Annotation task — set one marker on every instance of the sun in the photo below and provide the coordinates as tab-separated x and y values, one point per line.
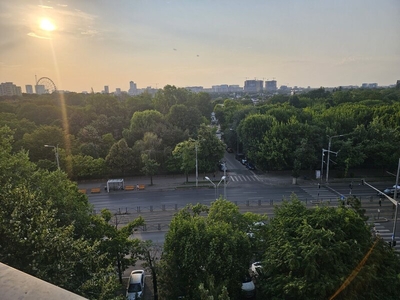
47	25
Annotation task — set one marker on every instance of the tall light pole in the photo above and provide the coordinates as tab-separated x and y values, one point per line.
329	151
215	185
56	153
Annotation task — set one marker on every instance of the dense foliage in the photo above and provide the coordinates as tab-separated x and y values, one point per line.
101	134
47	229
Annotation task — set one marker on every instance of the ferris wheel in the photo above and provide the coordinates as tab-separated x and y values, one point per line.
48	84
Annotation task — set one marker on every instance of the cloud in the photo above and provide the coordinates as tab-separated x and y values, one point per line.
32	34
45	7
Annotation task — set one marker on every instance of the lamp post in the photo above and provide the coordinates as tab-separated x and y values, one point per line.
215	185
56	154
329	151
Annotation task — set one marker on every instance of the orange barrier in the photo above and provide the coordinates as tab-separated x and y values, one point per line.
95	190
83	191
141	186
129	187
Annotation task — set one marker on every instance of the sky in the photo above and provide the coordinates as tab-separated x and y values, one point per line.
85	44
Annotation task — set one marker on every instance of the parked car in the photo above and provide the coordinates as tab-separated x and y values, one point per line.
239	156
250	166
135	286
248	287
256	268
229	150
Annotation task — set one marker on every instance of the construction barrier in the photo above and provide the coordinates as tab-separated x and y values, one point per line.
141	186
129	187
95	190
83	191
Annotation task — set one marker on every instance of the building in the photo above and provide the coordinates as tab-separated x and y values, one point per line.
40	89
271	86
15	284
369	85
10	89
132	89
29	89
253	86
117	92
106	89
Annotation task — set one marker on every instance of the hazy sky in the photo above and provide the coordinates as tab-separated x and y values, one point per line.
199	42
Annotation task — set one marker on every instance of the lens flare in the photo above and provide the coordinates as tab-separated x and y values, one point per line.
47	25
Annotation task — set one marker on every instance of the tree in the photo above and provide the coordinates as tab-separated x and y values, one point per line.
150	166
310	252
211	149
142	122
185	154
115	241
120	159
185	117
49	229
151	253
43	135
205	252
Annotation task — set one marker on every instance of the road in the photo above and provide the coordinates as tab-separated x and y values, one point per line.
250	191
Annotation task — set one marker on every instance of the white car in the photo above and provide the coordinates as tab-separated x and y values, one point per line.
248	287
135	287
256	268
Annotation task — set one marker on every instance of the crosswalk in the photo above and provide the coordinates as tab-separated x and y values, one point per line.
385	234
238	178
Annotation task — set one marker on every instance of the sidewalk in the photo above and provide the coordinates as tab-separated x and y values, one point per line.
160	182
168	182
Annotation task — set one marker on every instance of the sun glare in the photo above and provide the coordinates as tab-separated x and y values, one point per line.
47	25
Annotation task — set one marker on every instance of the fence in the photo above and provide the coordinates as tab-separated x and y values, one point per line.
157	217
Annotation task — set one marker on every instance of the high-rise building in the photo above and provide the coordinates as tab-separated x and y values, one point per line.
270	86
40	89
29	89
253	86
10	89
106	89
132	88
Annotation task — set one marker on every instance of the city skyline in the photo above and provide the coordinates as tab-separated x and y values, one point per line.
85	44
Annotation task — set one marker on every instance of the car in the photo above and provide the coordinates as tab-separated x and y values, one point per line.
250	166
256	268
244	161
135	287
239	156
389	191
222	167
229	150
248	287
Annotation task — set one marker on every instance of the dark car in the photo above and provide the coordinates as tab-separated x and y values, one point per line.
240	156
229	150
250	166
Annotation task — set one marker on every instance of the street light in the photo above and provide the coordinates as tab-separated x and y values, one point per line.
329	151
56	153
197	167
215	185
